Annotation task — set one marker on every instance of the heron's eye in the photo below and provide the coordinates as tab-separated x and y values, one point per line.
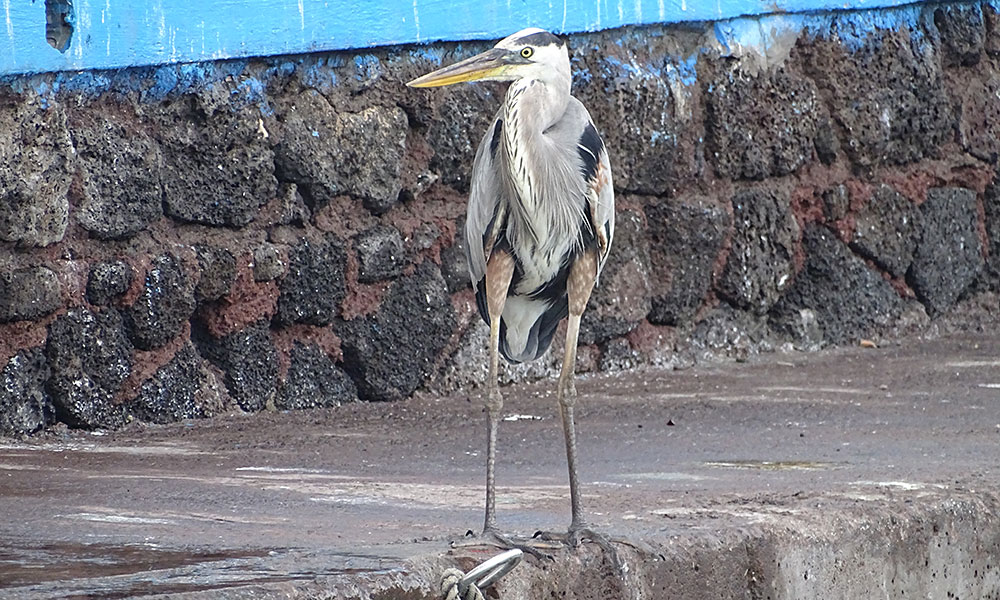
526	52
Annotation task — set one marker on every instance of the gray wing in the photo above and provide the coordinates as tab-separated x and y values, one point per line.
483	213
602	197
600	188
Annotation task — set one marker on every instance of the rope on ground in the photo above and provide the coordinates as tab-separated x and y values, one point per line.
456	585
449	587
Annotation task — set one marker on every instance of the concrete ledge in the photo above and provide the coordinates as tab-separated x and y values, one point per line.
843	474
877	540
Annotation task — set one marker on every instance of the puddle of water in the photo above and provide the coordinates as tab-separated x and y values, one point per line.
164	449
21	566
813	390
972	364
68	570
902	485
772	465
666	476
118	519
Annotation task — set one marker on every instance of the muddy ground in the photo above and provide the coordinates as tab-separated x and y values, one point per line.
793	475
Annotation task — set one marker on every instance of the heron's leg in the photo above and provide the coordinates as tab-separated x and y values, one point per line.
579	285
499	270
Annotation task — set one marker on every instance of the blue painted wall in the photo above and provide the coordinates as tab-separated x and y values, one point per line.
109	34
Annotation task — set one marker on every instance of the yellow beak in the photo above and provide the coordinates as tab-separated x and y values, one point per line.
491	64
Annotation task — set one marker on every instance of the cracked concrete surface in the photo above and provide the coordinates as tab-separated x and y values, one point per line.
851	473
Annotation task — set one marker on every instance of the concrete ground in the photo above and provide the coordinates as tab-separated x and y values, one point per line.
857	473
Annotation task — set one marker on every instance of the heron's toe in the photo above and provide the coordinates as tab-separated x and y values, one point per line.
493	537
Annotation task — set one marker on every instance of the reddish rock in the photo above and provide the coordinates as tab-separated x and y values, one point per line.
248	302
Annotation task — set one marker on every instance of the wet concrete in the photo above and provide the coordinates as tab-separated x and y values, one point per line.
867	472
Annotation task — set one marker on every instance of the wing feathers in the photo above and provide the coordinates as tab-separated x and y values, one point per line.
573	196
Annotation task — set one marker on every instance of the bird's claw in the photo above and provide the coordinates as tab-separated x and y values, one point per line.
579	533
492	537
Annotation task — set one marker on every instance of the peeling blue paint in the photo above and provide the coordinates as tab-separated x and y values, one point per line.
687	70
115	33
247	87
367	67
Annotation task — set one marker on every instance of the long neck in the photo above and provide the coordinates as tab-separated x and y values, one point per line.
530	108
532	105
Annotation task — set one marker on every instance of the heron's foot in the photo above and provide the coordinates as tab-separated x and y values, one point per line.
579	533
492	537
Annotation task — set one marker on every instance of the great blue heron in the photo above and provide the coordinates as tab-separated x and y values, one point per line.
539	225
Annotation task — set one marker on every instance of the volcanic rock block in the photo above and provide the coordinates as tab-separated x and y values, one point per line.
390	353
25	406
455	262
979	120
655	141
313	288
760	263
991	204
732	333
618	355
314	381
164	305
991	18
181	389
949	256
218	169
621	299
685	236
218	272
887	96
309	147
963	30
463	117
108	281
250	363
120	166
327	153
761	126
372	169
380	253
268	263
89	357
887	230
847	299
28	294
826	142
35	154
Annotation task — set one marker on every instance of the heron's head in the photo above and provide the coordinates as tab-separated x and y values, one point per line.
529	53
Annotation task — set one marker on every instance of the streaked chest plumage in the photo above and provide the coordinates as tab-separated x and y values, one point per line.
541	187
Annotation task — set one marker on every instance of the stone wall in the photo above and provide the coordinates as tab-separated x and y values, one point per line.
284	233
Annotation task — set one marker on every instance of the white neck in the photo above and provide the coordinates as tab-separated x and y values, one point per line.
530	108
